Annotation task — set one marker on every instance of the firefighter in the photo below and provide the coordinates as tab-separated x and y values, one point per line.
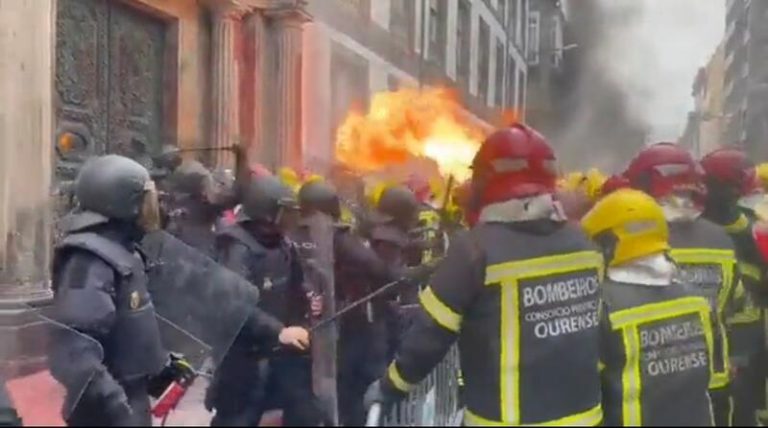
428	242
702	249
649	377
733	186
519	292
251	379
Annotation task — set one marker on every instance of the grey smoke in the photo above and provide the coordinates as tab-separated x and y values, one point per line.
632	75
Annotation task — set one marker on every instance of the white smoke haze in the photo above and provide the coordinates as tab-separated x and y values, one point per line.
653	51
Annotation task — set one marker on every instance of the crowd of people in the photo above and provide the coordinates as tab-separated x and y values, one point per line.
635	299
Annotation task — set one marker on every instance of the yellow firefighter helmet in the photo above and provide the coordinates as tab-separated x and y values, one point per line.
289	177
762	174
630	221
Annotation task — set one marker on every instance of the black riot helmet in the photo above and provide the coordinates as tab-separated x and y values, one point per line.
319	196
399	205
191	178
118	188
266	198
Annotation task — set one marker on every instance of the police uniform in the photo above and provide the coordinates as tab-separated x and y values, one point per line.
516	311
100	289
249	380
706	257
656	351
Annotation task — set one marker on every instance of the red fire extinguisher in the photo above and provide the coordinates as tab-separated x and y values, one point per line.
171	385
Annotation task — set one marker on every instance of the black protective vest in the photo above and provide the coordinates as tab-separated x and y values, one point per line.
269	269
529	344
657	349
133	348
705	255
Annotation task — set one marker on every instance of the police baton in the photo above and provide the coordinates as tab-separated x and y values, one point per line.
357	303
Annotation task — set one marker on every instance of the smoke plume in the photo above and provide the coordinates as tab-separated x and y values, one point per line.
632	74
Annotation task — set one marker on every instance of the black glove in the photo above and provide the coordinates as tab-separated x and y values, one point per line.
721	204
177	369
420	274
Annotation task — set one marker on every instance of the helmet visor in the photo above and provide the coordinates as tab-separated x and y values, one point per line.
149	217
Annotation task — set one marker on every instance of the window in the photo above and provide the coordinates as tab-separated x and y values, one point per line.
438	15
482	66
500	59
463	26
556	34
511	15
402	15
534	21
511	94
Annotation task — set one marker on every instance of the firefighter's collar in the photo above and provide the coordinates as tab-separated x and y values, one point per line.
526	209
655	270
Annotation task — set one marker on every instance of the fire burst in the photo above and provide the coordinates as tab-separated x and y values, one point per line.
408	126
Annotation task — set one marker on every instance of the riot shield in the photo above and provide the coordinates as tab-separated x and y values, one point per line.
314	238
49	372
202	305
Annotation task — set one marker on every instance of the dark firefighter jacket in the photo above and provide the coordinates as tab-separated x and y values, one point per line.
706	259
656	348
745	323
519	298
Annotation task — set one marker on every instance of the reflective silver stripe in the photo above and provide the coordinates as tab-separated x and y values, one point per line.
543	265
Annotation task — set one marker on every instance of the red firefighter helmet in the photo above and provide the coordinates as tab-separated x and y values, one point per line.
512	163
732	168
663	169
613	183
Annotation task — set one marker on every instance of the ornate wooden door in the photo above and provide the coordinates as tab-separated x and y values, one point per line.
109	80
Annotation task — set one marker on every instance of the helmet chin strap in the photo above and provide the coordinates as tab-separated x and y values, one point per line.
525	209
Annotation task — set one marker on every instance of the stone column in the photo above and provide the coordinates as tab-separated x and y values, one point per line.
224	83
287	103
259	46
26	133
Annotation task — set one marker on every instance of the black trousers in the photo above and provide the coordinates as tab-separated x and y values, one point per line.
722	406
362	360
91	413
284	382
748	389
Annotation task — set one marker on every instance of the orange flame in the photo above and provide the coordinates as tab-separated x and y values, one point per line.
409	125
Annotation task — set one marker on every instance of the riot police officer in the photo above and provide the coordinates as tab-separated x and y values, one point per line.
358	271
195	203
100	290
643	302
490	294
702	249
250	379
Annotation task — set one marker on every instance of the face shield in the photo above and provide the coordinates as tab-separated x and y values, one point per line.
149	216
288	214
679	192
